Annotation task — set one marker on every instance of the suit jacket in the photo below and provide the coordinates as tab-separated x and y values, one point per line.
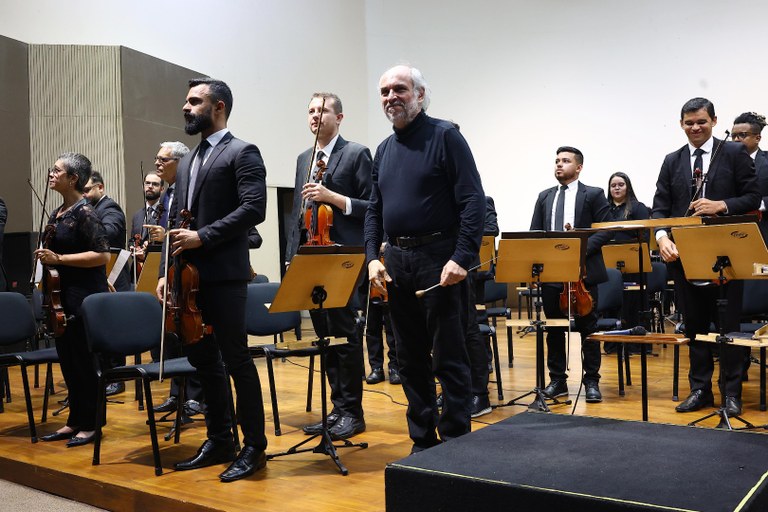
761	168
591	206
348	173
138	221
731	178
113	220
230	197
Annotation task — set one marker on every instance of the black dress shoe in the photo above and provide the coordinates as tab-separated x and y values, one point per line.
167	406
79	441
555	388
376	376
193	408
114	388
58	436
696	400
247	463
210	453
394	376
346	427
592	394
732	406
316	428
480	406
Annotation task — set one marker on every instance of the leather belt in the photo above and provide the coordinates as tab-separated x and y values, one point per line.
409	242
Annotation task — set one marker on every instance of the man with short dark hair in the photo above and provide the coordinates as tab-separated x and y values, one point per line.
223	185
428	199
747	129
150	213
573	205
705	177
345	187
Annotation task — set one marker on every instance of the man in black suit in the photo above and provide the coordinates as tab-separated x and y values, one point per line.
345	187
151	212
113	219
223	185
706	177
747	129
573	205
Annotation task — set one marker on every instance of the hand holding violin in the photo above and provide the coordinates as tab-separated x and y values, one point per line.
183	239
377	275
48	257
702	207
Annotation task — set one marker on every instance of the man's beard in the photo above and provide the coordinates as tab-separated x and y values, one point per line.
408	113
198	123
152	195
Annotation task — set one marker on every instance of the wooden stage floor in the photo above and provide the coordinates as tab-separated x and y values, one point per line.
125	479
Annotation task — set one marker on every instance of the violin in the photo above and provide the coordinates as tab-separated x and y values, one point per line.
318	218
575	298
375	296
54	318
182	316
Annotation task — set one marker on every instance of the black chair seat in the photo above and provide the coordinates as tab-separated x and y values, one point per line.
42	356
281	352
178	367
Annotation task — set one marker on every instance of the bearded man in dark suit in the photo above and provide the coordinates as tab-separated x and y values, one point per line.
707	176
222	183
345	186
573	205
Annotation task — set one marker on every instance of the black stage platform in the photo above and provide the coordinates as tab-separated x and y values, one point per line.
553	462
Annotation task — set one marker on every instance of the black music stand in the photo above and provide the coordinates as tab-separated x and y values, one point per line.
723	252
320	277
540	257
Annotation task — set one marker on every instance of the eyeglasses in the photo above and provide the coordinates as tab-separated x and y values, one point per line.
151	184
55	171
164	159
741	135
87	189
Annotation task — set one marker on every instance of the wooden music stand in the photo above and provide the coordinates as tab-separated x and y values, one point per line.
540	257
626	257
487	252
720	252
149	272
320	277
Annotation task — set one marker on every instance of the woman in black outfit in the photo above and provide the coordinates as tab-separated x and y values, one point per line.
625	206
79	251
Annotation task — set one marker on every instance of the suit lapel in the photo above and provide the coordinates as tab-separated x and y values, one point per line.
581	195
548	202
714	162
206	167
335	158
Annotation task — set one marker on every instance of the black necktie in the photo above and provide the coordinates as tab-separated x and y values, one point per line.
698	169
196	166
560	208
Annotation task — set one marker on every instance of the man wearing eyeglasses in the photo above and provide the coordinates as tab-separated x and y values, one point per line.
149	214
747	129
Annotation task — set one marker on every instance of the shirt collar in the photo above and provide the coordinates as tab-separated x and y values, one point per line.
215	138
707	146
328	149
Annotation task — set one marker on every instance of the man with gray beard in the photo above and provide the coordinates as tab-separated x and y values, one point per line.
428	199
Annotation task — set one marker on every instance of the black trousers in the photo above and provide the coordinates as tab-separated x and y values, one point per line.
585	325
378	325
699	308
344	364
223	307
431	341
79	371
477	347
173	349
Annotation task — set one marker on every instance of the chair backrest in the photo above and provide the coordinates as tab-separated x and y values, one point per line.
260	278
122	323
610	293
657	278
258	320
17	322
495	291
755	303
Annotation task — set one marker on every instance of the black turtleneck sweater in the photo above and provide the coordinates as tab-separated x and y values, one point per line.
425	180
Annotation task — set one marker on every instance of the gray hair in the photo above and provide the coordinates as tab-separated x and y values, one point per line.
77	165
419	83
178	149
